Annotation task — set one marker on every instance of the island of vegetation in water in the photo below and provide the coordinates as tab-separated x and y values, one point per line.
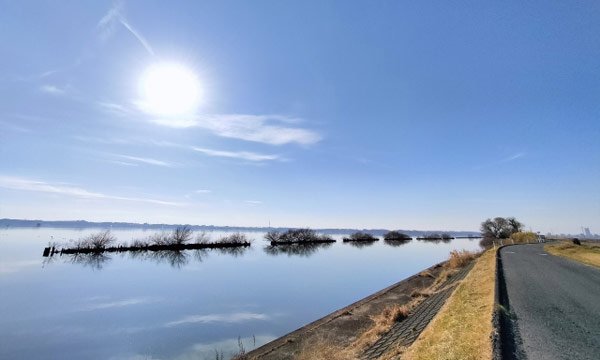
182	238
297	237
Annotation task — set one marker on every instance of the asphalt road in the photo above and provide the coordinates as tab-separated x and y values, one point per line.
556	303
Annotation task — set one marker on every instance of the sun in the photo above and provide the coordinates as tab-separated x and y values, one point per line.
169	89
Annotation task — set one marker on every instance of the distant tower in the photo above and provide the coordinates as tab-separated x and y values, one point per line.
587	232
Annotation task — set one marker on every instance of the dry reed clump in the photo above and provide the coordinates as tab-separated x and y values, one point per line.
426	273
460	258
381	324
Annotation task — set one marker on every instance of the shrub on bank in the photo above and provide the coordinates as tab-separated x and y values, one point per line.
296	236
524	237
396	236
361	236
97	241
234	239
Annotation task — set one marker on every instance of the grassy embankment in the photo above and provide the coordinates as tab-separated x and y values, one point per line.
587	253
462	328
477	295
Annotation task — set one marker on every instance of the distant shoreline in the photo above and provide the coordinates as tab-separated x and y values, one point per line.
83	224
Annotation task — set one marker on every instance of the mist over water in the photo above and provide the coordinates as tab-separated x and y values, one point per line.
186	304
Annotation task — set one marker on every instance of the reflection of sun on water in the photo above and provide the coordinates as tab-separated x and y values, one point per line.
169	89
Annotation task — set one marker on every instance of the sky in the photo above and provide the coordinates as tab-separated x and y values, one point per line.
358	114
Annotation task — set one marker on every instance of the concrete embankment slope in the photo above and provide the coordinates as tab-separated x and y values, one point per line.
343	326
556	304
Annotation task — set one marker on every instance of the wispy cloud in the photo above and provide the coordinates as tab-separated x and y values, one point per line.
253	202
514	157
52	90
243	155
267	129
107	25
203	191
18	183
220	318
115	108
145	160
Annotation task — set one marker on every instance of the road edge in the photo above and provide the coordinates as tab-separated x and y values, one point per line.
505	339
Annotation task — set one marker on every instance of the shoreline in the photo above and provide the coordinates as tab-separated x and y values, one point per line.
344	325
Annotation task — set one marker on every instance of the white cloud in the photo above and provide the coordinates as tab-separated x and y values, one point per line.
253	202
145	160
115	108
52	90
201	191
243	155
514	157
267	129
107	26
220	318
17	183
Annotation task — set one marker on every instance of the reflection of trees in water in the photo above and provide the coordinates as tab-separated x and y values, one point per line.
360	244
295	249
436	241
396	243
233	251
93	260
176	259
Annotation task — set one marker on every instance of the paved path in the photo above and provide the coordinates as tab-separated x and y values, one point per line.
556	303
405	332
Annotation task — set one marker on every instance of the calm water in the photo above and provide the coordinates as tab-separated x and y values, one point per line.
181	306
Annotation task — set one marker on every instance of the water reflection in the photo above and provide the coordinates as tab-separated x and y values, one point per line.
95	261
397	243
360	244
175	258
305	250
437	241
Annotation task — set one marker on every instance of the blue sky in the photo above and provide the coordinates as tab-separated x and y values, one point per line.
393	114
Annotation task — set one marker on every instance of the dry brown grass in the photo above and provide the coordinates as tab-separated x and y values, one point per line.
381	324
426	273
461	330
586	253
460	258
323	349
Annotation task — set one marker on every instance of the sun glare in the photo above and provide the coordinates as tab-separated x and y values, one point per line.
169	89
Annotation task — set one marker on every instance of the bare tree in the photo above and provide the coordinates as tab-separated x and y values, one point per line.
395	235
500	228
515	225
181	235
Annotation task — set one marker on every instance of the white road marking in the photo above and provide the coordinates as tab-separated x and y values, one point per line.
509	252
543	254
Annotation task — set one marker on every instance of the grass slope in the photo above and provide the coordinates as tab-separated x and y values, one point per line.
462	329
586	253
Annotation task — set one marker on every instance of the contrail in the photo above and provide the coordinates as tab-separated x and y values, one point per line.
115	15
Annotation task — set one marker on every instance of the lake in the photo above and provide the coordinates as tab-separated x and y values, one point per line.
182	305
